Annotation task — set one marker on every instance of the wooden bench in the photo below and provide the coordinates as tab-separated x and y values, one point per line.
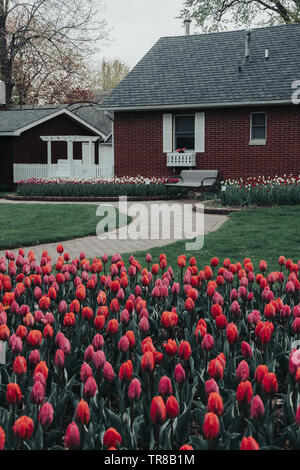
203	180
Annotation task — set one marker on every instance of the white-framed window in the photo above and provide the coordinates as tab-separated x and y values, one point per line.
258	128
184	131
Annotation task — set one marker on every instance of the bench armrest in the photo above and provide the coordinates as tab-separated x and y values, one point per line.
214	178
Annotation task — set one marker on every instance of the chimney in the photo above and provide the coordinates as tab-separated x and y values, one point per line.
187	24
2	93
247	47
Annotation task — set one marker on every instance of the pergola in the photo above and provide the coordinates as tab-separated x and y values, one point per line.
70	139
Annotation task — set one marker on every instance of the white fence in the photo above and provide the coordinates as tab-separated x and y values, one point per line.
24	171
181	159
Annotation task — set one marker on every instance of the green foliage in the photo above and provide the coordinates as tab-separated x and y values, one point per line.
220	15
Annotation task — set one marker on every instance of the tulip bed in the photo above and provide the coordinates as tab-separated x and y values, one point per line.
139	186
262	191
108	354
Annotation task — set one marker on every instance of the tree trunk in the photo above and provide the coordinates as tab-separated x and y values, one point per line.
5	62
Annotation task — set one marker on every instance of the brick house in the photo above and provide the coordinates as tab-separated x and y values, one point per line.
225	97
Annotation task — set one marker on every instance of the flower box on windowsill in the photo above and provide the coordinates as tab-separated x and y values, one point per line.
187	159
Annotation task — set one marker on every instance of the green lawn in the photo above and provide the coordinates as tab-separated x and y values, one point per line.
32	224
258	234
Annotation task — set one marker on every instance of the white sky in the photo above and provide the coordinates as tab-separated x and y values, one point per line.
137	25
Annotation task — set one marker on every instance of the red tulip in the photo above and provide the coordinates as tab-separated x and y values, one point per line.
126	371
170	347
134	389
23	428
111	438
269	383
211	386
123	344
2	438
260	372
208	342
37	393
108	372
85	372
172	407
20	365
83	412
90	387
257	409
46	414
72	436
59	359
249	443
211	426
184	350
242	371
244	393
179	374
147	362
246	350
112	327
221	322
215	403
158	410
13	393
232	333
215	369
165	386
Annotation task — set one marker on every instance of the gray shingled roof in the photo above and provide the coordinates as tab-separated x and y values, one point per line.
13	120
92	114
203	70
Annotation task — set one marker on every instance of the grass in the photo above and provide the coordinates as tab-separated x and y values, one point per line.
259	234
32	224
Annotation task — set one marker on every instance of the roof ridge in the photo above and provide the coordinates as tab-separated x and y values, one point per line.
233	31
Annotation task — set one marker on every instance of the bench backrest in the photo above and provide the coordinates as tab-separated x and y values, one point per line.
197	176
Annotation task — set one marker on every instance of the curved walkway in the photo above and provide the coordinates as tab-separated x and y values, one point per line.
119	242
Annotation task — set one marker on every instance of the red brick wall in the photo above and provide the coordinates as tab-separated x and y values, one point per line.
138	143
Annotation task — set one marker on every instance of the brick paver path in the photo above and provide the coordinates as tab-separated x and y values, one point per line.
93	246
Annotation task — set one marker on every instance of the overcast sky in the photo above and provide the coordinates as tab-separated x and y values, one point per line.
137	25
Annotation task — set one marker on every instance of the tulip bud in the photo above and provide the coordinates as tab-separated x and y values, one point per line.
165	386
108	372
90	388
158	410
134	389
111	438
23	428
46	415
211	386
257	409
37	394
83	412
211	426
172	407
249	443
242	371
72	436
